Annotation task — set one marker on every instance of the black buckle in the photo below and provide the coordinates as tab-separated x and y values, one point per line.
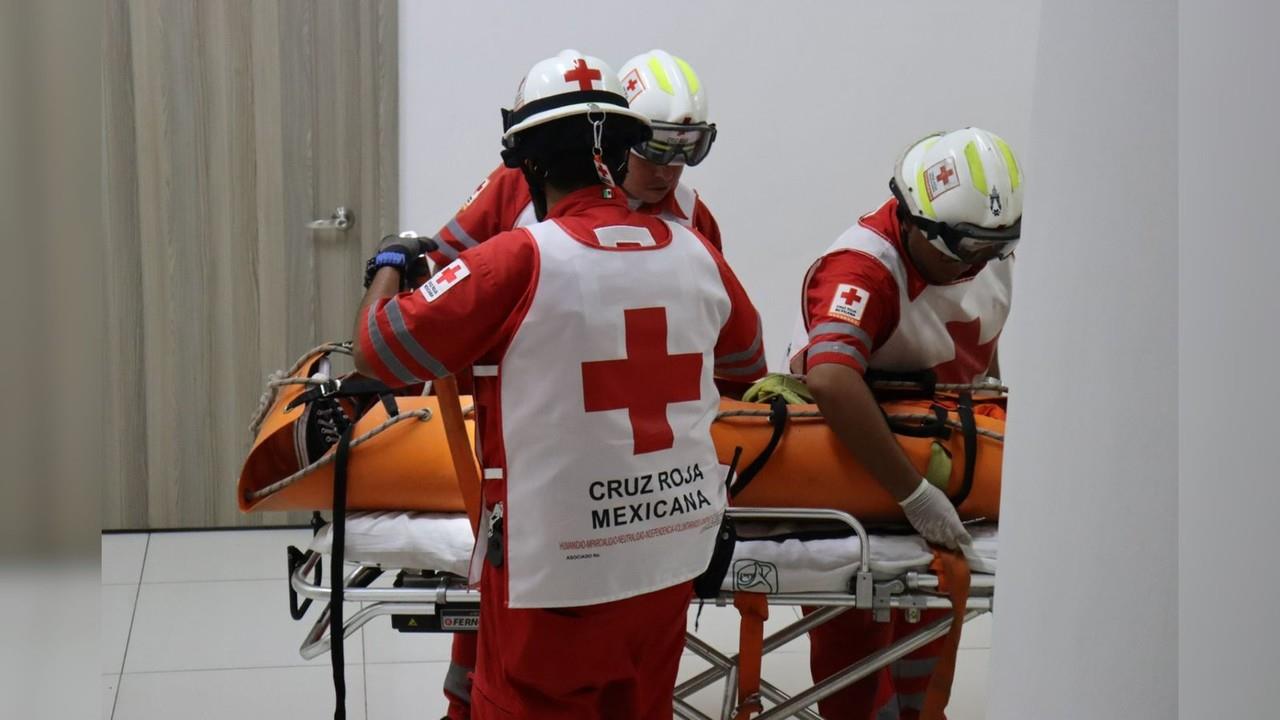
297	559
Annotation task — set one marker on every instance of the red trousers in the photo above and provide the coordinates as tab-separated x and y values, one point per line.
613	661
893	693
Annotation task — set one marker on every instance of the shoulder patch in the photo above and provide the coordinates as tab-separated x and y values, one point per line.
849	302
448	276
475	194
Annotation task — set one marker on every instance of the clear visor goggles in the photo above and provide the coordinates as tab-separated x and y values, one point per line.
676	144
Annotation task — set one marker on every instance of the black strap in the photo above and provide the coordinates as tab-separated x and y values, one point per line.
707	585
969	427
935	427
511	118
778	416
925	383
357	386
336	654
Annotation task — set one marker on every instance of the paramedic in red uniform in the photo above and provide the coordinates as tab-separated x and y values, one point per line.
922	283
594	336
663	88
658	85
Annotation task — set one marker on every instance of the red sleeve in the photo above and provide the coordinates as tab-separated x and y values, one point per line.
493	208
740	348
461	312
705	223
851	308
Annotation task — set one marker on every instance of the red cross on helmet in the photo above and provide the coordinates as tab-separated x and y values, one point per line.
568	84
964	190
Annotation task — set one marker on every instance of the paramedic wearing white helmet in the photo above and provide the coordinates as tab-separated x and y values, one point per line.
658	85
663	88
921	284
596	334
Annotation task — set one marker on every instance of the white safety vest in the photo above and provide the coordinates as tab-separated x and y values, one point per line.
921	341
591	377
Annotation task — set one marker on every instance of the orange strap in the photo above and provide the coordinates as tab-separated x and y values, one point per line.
464	460
953	579
754	609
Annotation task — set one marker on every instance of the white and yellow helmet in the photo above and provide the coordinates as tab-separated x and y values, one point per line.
964	190
568	84
666	90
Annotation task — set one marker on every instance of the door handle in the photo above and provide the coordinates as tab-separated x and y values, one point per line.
342	219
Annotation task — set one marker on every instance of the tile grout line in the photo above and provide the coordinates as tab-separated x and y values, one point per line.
364	668
115	701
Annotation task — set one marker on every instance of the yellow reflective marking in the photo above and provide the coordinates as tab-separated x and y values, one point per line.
690	76
660	75
976	171
922	194
1015	176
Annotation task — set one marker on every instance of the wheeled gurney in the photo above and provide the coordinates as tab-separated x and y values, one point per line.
822	559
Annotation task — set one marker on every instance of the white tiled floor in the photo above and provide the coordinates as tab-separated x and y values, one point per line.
196	624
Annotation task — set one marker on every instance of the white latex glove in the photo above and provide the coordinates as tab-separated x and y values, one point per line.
932	515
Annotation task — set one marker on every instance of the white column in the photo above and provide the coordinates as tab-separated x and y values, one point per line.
1086	615
1229	325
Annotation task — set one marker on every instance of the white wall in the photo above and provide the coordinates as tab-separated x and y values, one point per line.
1087	604
1229	504
814	101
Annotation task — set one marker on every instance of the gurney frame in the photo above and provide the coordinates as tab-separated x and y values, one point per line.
911	592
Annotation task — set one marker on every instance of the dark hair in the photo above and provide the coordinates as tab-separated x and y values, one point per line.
560	151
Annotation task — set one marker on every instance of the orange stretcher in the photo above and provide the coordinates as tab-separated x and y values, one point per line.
404	463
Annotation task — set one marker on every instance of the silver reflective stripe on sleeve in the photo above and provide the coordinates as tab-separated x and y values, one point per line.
751	369
444	248
484	371
419	353
745	354
838	348
493	473
841	328
461	234
384	352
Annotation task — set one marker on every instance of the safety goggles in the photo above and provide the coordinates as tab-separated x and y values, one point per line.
974	244
673	143
966	242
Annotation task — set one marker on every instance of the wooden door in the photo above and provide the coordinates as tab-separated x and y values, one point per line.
229	128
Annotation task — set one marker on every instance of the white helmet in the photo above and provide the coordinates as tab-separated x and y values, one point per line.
568	84
964	190
663	88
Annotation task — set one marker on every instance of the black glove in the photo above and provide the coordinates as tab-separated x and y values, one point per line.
401	252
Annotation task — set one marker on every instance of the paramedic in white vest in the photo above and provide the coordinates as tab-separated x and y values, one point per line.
594	336
921	283
658	85
663	88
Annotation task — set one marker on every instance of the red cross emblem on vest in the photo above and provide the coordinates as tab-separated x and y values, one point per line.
645	382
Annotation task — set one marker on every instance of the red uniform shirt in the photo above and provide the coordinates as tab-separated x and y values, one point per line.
502	202
867	306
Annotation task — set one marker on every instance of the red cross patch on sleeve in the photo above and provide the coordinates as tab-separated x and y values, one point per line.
449	275
849	302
